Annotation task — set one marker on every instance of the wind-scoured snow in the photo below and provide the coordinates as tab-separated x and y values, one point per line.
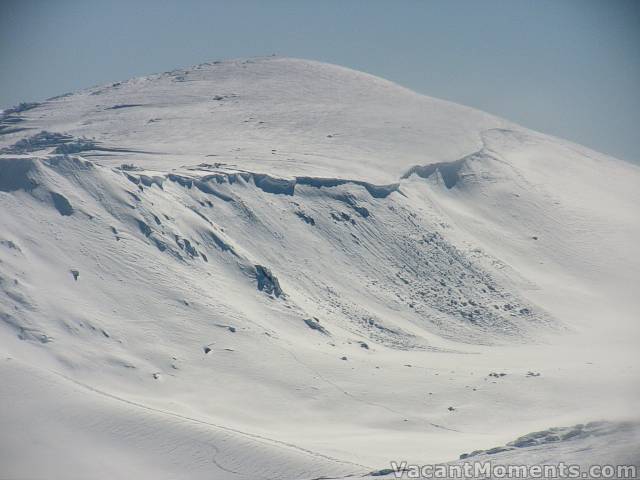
276	268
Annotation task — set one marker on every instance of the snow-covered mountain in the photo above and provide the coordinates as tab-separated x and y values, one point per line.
278	268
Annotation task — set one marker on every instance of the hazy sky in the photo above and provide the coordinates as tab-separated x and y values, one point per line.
566	67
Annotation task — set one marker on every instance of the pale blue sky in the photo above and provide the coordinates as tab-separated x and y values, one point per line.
566	67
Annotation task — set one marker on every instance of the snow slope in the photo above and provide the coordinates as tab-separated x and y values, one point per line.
276	268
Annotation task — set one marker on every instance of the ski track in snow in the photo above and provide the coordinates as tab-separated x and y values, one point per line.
209	424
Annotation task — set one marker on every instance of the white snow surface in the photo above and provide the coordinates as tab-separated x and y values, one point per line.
282	269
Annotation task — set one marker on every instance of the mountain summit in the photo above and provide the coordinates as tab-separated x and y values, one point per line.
277	115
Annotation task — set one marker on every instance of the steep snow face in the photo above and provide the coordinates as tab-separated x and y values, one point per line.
276	268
